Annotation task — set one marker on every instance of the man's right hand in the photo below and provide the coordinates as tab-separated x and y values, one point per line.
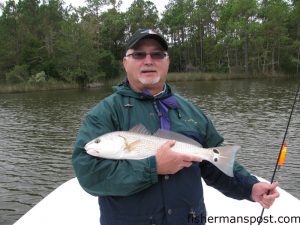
170	162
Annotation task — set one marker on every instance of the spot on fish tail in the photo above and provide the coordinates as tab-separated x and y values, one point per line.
216	155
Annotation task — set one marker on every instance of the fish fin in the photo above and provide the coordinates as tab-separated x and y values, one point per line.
223	158
132	145
166	134
140	129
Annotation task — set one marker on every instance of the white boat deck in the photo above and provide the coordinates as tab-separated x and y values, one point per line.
70	204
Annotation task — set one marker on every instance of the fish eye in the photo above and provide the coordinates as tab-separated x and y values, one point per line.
98	140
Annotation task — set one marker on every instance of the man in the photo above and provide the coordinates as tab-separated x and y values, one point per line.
164	189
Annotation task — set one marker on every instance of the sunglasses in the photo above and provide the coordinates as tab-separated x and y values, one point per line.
139	55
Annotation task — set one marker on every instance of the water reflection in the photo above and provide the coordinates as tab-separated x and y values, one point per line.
254	114
37	133
38	130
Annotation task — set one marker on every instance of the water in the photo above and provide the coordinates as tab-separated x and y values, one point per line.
38	130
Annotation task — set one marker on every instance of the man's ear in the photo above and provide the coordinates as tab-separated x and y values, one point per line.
169	60
124	63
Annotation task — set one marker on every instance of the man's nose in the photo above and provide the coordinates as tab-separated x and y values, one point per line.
148	60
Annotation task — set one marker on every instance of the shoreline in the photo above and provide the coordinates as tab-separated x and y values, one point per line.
198	76
172	77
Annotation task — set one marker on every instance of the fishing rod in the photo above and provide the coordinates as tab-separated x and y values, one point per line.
281	155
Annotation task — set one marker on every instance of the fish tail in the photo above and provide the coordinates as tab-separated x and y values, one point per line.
224	157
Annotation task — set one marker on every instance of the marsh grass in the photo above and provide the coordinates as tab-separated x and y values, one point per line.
28	87
195	76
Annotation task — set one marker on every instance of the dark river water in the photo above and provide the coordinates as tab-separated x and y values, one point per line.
38	129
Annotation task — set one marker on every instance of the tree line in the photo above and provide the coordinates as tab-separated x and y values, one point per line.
41	41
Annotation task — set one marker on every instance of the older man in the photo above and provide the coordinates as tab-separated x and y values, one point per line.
164	189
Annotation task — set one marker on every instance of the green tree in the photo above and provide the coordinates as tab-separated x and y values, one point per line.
112	32
95	6
141	14
274	15
176	23
19	74
203	23
115	4
9	39
86	43
294	34
238	21
93	18
108	64
76	52
52	18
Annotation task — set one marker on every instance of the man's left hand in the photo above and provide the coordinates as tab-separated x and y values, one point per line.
260	193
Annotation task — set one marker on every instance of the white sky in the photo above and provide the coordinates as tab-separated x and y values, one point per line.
160	4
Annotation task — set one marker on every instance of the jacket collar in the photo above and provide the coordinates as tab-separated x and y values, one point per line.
125	90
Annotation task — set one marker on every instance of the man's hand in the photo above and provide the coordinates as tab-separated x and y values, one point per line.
260	193
170	162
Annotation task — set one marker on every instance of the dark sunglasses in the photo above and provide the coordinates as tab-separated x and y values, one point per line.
142	55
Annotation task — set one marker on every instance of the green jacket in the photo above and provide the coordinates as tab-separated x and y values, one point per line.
121	111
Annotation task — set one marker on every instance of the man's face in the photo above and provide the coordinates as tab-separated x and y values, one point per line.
146	73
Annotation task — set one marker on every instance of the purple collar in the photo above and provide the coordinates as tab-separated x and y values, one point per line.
162	106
